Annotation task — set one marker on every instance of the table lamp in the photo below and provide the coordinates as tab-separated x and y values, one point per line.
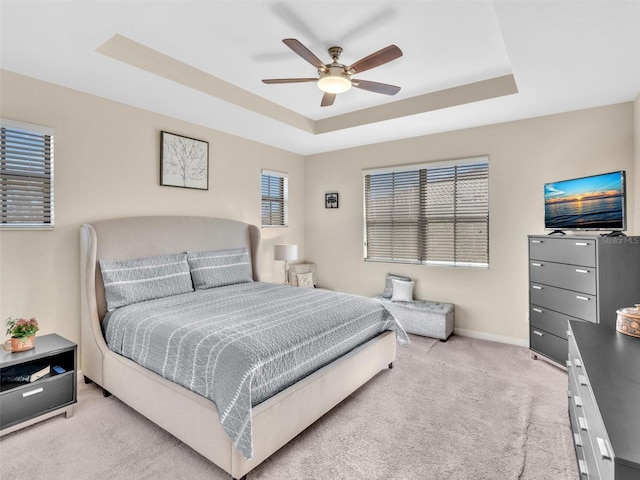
285	252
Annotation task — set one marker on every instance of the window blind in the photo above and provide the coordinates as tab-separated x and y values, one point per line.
275	199
26	175
435	214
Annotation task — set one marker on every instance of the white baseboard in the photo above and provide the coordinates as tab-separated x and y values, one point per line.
520	342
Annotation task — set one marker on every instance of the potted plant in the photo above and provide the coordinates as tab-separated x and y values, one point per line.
22	332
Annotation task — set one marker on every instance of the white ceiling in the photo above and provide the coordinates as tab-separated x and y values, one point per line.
563	55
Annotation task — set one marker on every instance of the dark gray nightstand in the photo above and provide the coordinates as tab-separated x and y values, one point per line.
22	404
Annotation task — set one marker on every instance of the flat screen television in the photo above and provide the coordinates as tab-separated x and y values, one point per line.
596	202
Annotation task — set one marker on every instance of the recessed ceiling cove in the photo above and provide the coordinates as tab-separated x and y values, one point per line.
140	56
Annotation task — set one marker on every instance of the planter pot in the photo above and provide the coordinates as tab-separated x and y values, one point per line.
19	344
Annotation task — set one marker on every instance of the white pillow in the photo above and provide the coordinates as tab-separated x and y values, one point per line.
305	280
402	291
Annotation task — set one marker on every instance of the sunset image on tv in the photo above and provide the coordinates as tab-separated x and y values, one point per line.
595	202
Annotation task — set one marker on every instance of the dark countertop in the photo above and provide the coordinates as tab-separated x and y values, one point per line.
612	364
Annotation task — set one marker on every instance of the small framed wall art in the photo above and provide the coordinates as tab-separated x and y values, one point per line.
184	161
330	200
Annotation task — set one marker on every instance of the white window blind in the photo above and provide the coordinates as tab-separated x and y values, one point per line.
26	175
429	214
275	199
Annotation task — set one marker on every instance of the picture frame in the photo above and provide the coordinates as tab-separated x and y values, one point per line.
184	161
331	200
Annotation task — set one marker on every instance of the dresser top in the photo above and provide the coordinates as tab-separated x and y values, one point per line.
611	362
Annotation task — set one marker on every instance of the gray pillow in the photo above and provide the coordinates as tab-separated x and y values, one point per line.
140	279
217	268
388	286
402	291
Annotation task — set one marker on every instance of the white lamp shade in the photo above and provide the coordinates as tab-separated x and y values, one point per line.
285	252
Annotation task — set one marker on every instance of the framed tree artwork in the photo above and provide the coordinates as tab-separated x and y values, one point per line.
184	162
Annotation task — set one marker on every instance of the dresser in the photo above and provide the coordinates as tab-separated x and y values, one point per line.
604	391
578	277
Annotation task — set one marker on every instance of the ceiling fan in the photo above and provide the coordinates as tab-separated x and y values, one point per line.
334	78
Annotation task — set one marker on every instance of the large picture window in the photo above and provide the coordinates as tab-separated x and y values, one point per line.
26	175
275	199
434	214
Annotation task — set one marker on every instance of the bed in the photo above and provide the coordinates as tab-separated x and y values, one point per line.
190	416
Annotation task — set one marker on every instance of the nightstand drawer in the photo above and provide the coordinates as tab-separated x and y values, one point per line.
564	250
573	277
579	305
37	398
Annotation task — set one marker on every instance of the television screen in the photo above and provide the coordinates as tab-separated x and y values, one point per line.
588	203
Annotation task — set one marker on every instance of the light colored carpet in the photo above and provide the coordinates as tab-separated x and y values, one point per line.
464	409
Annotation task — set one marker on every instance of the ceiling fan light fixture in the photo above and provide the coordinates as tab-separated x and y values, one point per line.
334	81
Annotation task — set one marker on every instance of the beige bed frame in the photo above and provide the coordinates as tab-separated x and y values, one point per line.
188	416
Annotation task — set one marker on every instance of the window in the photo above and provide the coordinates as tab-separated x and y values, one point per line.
26	175
436	214
275	198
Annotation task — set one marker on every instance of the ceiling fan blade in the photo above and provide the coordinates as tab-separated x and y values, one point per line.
376	59
376	87
305	53
288	80
328	99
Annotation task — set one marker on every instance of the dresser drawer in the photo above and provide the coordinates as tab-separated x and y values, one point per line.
547	344
28	401
549	320
562	250
580	305
573	277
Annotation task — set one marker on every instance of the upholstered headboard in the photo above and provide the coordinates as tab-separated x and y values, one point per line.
137	237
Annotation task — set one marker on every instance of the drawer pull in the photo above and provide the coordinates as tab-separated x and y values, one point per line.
583	468
581	270
32	392
604	451
582	244
568	333
583	424
578	401
537	310
536	287
540	334
537	241
580	297
577	362
536	265
583	380
577	439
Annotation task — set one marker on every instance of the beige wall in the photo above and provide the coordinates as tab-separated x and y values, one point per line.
636	154
107	165
523	155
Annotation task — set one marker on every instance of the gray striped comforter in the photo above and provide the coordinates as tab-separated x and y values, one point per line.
240	344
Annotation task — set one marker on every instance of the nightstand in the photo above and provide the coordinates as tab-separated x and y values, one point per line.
22	404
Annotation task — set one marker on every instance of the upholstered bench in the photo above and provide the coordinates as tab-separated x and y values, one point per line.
421	317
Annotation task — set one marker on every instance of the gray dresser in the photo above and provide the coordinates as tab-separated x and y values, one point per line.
604	394
583	277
